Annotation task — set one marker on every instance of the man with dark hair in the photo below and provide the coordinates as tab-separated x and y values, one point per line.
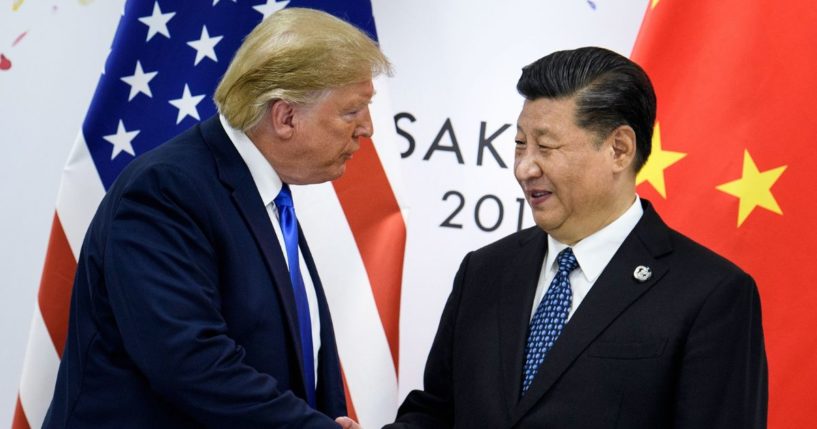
601	316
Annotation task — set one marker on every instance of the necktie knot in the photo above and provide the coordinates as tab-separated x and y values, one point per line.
284	198
567	261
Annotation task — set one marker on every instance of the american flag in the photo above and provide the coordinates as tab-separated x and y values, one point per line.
166	60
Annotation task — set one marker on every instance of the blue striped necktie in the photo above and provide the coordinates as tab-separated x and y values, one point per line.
550	318
289	228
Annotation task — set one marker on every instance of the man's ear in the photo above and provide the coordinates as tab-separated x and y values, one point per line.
280	115
622	143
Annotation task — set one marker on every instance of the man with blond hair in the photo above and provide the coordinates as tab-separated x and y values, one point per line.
196	301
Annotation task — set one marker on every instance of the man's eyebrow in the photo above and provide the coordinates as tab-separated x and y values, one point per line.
537	132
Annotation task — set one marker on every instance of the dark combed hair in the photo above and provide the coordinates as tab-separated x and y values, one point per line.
610	91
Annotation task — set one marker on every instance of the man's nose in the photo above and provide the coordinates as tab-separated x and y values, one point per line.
365	127
526	167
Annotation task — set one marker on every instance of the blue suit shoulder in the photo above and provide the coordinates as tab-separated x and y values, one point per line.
185	153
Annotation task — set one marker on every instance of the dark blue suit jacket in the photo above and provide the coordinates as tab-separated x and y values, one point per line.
182	312
683	349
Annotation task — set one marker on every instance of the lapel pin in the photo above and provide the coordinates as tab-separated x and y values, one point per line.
642	273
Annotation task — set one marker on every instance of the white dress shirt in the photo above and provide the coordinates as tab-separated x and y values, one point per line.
593	254
269	185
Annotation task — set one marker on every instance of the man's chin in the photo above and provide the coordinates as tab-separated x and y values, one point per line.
546	223
338	172
324	176
328	177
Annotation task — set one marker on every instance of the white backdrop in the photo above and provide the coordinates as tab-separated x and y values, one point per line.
43	99
456	63
459	60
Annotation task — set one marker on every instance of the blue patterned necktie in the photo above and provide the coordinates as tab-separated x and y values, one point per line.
550	317
289	228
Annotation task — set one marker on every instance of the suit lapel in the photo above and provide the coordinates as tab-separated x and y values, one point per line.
234	173
614	291
329	391
515	302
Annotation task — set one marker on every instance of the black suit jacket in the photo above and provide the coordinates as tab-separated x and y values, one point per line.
683	349
182	313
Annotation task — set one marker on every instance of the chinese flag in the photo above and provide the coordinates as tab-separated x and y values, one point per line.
734	156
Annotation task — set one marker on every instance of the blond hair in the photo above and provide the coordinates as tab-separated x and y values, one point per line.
294	55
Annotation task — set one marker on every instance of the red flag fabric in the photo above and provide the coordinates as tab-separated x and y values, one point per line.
731	153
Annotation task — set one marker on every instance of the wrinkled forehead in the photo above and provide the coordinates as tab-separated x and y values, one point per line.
546	115
355	94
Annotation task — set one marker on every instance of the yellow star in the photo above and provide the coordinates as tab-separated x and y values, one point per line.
654	3
754	188
659	160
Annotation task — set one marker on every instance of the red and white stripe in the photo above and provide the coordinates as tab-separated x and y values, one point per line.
357	235
80	193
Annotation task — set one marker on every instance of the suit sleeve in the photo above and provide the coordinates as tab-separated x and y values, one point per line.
723	381
161	275
433	407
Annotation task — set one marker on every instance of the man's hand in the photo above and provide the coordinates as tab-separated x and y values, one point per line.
347	423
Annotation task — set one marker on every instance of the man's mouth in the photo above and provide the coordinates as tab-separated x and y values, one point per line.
538	196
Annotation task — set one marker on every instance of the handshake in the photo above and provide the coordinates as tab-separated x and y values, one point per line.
347	423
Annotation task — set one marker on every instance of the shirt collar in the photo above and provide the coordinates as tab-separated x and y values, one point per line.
595	251
266	179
